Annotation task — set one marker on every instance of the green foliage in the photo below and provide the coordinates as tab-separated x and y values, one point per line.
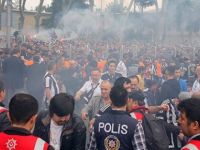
145	3
47	23
60	7
187	13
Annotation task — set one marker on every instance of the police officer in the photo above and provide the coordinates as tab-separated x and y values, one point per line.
189	122
116	129
23	112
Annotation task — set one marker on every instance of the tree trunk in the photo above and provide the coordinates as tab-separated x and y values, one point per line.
130	5
156	5
21	9
91	4
21	22
134	7
38	15
69	5
2	5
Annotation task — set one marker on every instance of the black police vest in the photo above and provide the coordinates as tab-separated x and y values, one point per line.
115	130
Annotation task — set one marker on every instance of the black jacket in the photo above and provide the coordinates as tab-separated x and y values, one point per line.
169	90
14	72
35	75
73	136
4	121
115	126
111	78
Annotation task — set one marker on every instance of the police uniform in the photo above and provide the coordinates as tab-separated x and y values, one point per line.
115	130
193	143
21	139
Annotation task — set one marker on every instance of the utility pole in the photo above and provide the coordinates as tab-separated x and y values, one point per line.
8	31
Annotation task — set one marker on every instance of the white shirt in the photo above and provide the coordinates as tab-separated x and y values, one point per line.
89	85
55	134
196	86
50	82
122	69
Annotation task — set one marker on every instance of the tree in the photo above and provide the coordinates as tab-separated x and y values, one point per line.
60	7
48	8
39	9
91	4
2	6
15	4
130	6
141	4
21	11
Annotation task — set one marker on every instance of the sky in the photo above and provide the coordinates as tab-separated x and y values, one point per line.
31	4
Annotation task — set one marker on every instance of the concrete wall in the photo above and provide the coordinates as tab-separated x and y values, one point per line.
29	22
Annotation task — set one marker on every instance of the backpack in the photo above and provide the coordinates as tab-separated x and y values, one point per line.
155	133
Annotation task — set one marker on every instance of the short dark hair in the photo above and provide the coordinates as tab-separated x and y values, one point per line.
2	88
191	108
137	96
120	81
94	69
61	104
112	61
22	107
51	65
134	76
36	59
15	51
118	96
170	70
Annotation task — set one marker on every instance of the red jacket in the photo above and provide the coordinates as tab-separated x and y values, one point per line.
20	139
193	144
136	112
2	109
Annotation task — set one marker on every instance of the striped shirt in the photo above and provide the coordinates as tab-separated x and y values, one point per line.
51	83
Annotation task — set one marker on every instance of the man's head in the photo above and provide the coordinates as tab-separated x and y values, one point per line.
198	71
178	73
36	59
189	119
23	110
52	66
134	83
16	52
123	82
152	85
61	108
105	89
135	99
2	91
112	64
118	96
170	72
95	75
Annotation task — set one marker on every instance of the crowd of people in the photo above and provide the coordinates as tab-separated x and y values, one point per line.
86	94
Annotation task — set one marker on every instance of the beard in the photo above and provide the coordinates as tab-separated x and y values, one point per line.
60	123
